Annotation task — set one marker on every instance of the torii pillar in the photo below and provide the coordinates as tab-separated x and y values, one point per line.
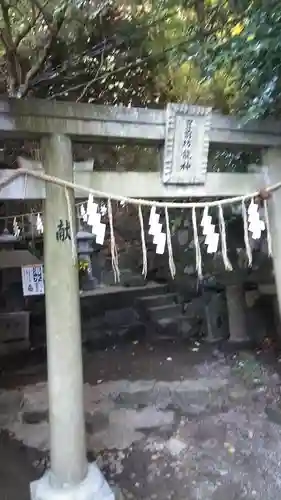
70	476
272	174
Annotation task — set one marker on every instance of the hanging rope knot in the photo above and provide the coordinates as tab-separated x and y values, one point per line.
264	194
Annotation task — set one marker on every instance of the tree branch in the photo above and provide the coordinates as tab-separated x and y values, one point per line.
48	18
6	18
34	70
13	65
92	81
157	56
28	27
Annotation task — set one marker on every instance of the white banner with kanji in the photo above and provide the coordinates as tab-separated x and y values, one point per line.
32	280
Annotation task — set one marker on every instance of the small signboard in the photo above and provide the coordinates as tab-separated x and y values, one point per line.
186	144
32	280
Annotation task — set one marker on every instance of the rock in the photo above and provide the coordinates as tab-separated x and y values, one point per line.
273	413
134	331
96	422
118	495
216	318
10	402
36	397
116	318
34	437
146	418
230	491
194	410
183	237
132	400
135	394
190	403
116	437
237	393
35	417
189	270
176	446
160	395
185	328
194	308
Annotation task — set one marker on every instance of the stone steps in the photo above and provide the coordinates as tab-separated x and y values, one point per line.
99	309
157	300
173	327
165	311
164	314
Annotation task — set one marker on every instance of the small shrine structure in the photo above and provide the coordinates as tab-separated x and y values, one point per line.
183	134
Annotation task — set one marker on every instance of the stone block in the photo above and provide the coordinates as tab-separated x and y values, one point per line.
120	317
216	319
273	413
10	404
176	446
183	237
194	308
34	417
165	311
156	300
127	278
185	328
96	422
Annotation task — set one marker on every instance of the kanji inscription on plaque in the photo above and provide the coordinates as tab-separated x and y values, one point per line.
186	144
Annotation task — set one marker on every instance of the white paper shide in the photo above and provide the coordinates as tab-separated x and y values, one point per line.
256	225
155	230
211	236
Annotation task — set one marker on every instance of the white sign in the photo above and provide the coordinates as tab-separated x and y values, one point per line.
186	144
32	280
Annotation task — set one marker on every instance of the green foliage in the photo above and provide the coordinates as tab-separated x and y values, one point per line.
253	53
212	52
130	53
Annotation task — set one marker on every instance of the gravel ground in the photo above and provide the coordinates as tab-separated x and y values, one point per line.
167	421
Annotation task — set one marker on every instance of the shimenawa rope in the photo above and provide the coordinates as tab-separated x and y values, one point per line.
142	202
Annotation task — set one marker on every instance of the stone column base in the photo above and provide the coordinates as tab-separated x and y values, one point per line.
235	298
94	487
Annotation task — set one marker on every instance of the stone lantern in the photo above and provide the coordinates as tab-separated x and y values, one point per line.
85	251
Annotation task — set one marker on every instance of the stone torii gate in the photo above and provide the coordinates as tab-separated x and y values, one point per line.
178	129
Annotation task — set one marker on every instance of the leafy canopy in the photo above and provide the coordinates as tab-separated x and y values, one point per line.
224	53
253	54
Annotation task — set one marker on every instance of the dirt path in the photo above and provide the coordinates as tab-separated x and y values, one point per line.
165	422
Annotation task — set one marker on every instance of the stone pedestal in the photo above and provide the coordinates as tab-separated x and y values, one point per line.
235	299
215	317
93	487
